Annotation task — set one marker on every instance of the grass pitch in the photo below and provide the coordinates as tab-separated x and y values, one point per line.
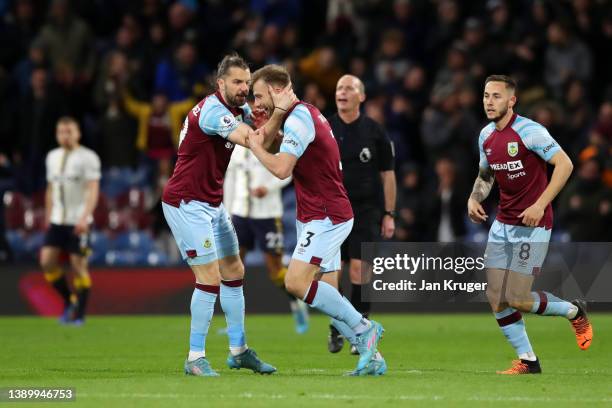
434	360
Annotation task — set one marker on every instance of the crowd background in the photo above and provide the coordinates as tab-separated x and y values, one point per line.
130	70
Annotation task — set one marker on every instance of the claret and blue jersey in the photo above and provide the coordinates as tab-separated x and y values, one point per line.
518	155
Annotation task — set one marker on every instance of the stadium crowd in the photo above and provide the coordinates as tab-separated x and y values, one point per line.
129	71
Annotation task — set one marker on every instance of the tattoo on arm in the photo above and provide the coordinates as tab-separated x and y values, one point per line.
483	184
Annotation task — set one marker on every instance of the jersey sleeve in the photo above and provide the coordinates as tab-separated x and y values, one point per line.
386	150
246	117
299	132
216	119
537	139
48	167
92	167
483	162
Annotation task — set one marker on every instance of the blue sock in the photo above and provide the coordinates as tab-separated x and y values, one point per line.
325	298
202	308
512	325
232	303
547	304
344	329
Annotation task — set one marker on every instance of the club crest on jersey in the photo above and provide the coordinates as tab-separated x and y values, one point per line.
207	243
512	149
365	155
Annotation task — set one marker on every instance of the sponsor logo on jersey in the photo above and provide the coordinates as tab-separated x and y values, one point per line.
509	166
513	149
365	155
290	142
196	110
516	175
550	146
227	121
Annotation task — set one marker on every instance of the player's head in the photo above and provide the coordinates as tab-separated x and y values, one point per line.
350	93
499	97
67	132
233	78
274	75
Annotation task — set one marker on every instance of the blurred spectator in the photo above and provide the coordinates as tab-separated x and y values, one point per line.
322	68
566	58
23	70
446	222
579	115
36	119
445	31
412	221
159	126
585	209
177	77
18	32
68	41
391	64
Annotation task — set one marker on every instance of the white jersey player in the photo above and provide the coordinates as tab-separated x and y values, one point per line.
73	183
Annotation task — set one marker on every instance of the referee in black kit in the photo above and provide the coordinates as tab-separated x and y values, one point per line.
368	165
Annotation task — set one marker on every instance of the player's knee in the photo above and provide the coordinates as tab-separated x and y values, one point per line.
295	285
493	295
517	299
47	262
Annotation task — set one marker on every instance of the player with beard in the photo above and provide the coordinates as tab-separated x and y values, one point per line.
202	228
514	151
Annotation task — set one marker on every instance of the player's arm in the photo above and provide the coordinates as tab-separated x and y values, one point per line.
281	164
537	139
283	99
48	203
386	152
299	132
562	170
389	183
480	191
92	191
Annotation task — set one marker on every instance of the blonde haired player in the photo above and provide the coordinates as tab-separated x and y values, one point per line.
73	184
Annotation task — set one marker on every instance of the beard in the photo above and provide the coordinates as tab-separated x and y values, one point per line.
501	115
234	100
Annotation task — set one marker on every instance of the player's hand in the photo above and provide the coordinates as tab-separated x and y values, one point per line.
282	98
255	138
532	215
259	117
476	213
259	192
387	227
81	227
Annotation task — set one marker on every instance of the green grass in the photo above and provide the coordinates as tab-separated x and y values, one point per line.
434	360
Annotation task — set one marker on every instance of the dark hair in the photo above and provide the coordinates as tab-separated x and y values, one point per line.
230	61
509	81
272	74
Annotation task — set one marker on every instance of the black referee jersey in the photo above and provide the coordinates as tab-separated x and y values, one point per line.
365	151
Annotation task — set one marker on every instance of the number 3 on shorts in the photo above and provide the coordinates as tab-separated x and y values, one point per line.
309	235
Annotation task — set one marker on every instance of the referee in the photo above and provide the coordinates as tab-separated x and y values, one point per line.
368	165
